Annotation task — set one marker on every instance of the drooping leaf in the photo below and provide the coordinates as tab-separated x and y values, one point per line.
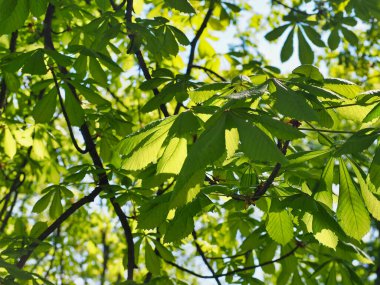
334	39
287	49
324	190
45	107
152	261
97	72
42	203
313	36
305	53
352	215
74	109
350	36
374	169
56	208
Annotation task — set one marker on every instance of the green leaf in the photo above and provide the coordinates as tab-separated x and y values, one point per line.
280	227
45	107
318	91
56	209
305	53
173	156
142	149
357	143
163	251
313	36
170	42
153	83
373	114
180	36
12	81
90	94
154	212
13	15
97	72
35	64
334	39
73	109
343	87
256	144
43	203
371	201
352	215
232	141
15	271
287	49
323	192
276	32
207	149
38	7
9	143
152	261
350	36
309	72
291	104
60	59
374	169
182	225
180	5
38	229
206	92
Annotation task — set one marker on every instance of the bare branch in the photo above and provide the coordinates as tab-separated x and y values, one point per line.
207	70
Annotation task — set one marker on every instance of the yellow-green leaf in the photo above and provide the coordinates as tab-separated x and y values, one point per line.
10	147
351	212
280	227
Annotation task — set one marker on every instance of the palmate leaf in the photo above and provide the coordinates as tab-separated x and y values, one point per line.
276	32
287	49
206	92
305	53
357	142
173	157
351	212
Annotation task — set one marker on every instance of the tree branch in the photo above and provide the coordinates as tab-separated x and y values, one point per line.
101	175
202	254
139	56
117	7
292	8
207	70
4	89
233	272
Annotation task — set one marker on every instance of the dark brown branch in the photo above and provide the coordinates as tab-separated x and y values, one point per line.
207	70
139	56
59	221
202	254
198	35
226	257
292	8
105	257
233	272
67	119
117	7
101	175
4	89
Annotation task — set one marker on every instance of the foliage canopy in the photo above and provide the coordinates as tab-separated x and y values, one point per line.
136	147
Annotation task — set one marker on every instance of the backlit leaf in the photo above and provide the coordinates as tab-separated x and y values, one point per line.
352	215
280	227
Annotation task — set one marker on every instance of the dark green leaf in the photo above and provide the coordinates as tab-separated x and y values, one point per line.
180	5
97	72
73	109
38	8
309	71
152	261
313	36
305	53
45	108
287	49
276	33
374	170
334	39
350	36
13	15
35	64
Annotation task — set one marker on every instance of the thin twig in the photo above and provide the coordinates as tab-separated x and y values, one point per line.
292	8
207	70
117	7
233	272
326	131
202	254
